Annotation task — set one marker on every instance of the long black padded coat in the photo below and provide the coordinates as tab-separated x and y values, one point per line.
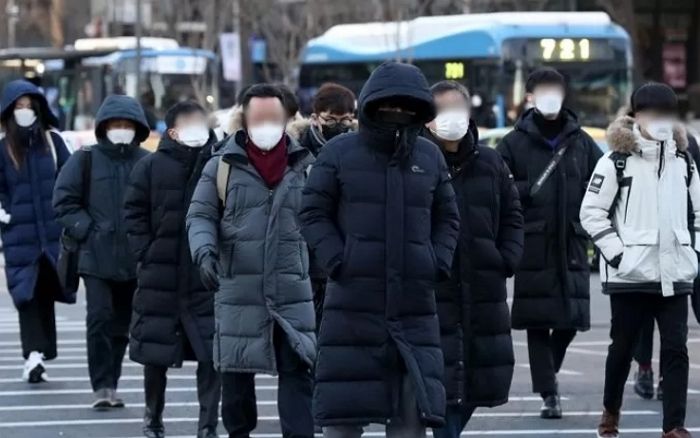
472	304
171	303
552	282
380	214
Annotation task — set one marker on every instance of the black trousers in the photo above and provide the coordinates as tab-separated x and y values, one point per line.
629	312
547	349
239	406
108	318
644	352
208	393
37	318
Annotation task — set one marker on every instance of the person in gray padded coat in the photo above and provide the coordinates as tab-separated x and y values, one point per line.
245	235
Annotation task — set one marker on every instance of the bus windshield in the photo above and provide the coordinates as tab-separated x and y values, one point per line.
477	74
596	73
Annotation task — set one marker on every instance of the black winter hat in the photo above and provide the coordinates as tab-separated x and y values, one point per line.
654	96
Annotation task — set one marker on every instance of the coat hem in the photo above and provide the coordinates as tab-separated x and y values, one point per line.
244	370
610	288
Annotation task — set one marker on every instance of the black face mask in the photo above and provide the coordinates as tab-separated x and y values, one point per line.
396	118
333	131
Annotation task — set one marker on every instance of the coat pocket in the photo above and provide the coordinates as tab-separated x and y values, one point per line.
577	248
686	266
640	259
535	251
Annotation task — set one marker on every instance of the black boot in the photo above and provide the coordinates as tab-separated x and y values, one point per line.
551	409
152	425
644	384
154	388
207	432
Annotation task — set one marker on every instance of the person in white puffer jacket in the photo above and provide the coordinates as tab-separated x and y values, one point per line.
642	210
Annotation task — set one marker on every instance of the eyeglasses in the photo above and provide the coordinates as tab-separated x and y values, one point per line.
332	122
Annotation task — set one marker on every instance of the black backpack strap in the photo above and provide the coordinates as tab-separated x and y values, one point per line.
690	166
619	160
690	169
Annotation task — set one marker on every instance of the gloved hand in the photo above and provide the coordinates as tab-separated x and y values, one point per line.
209	270
615	262
5	218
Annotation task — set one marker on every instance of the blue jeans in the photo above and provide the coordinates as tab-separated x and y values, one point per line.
456	419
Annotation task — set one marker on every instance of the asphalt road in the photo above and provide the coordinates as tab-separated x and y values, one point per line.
60	408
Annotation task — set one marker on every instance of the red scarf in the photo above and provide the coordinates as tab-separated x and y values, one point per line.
269	164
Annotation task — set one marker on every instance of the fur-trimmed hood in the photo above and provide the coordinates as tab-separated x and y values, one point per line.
621	137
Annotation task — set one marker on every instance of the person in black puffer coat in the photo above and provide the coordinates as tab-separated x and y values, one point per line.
30	155
472	307
92	215
551	296
381	216
173	318
333	115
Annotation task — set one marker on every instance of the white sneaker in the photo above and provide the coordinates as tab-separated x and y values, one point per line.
34	371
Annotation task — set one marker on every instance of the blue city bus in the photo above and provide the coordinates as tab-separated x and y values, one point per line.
77	79
492	54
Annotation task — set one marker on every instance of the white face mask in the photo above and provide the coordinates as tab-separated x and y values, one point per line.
194	136
660	129
452	125
548	103
121	136
25	117
266	136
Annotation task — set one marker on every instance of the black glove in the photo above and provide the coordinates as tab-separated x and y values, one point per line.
615	262
209	269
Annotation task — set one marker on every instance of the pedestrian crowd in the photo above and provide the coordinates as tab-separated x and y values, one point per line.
360	254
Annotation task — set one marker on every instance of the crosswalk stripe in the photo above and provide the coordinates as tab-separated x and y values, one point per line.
123	378
44	392
94	421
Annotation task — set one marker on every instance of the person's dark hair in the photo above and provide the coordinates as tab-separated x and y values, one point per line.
444	86
182	109
544	76
16	150
289	100
654	96
260	90
241	94
333	98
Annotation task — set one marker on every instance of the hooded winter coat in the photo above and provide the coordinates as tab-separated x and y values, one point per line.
99	225
472	304
552	282
655	218
171	302
25	194
381	216
265	280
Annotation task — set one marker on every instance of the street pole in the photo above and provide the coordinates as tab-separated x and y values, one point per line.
12	11
138	32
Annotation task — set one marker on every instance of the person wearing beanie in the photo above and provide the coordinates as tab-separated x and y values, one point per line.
88	199
552	159
642	210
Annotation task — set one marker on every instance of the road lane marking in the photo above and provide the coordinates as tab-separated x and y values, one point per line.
275	418
561	371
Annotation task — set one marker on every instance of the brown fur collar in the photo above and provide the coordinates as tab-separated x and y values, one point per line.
621	137
297	127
